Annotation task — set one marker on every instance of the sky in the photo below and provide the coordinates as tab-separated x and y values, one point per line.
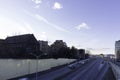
90	24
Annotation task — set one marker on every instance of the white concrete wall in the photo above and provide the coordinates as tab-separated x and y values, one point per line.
10	68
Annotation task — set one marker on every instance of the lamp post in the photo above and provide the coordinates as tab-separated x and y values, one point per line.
37	57
28	66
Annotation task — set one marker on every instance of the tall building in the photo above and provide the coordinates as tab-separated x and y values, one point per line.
82	53
117	49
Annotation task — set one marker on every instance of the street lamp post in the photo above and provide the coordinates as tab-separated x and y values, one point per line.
37	58
28	66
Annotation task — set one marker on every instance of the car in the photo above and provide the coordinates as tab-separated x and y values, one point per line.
72	66
81	62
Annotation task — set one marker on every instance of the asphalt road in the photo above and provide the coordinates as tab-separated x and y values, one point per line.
88	72
93	69
57	73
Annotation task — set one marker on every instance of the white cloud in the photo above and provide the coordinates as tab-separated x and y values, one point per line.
37	1
57	6
82	26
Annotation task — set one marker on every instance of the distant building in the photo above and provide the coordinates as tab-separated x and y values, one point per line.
110	56
2	47
2	43
81	53
117	49
44	47
19	46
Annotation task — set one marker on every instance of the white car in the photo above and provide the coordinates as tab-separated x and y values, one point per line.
81	62
72	66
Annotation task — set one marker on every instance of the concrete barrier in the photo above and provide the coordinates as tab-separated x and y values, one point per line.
116	70
10	68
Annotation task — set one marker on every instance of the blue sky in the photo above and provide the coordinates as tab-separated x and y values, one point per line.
89	24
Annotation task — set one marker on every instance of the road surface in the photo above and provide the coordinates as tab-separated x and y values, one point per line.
91	69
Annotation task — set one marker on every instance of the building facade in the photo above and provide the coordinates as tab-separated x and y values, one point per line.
81	53
3	48
19	46
117	49
44	47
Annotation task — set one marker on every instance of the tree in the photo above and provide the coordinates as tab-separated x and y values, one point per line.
57	49
64	52
101	55
74	52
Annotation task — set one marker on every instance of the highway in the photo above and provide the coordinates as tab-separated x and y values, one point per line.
57	73
92	69
88	72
